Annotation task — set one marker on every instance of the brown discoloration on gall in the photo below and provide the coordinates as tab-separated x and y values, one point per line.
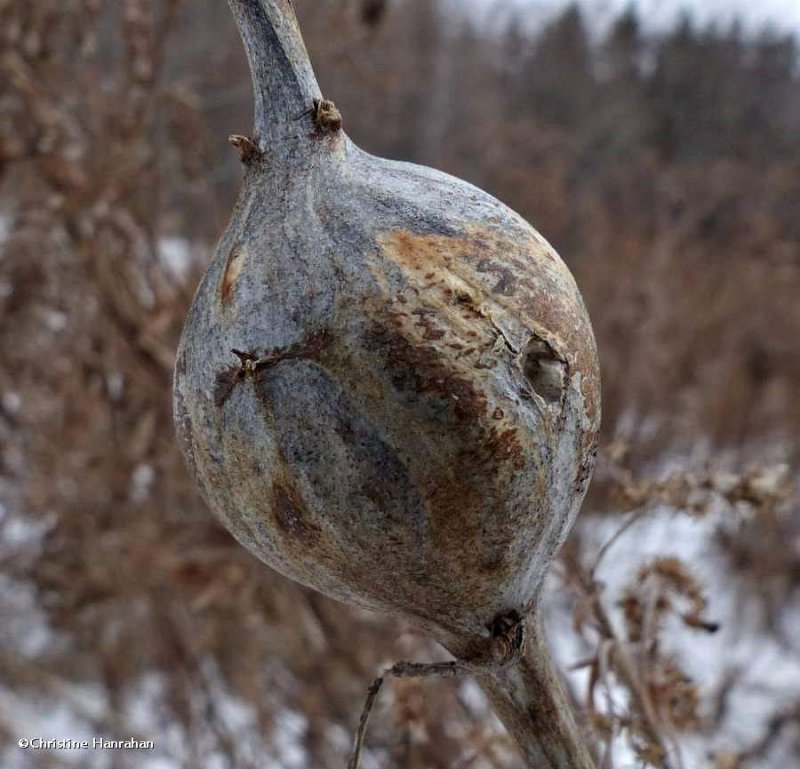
250	363
420	252
471	279
466	299
327	117
291	514
233	269
491	566
180	364
225	381
246	147
588	451
313	347
486	274
402	467
507	283
574	336
455	509
424	370
504	446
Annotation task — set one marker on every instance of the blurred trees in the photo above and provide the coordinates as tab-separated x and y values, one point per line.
665	169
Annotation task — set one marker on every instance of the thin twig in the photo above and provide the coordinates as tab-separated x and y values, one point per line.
372	693
501	650
452	669
627	524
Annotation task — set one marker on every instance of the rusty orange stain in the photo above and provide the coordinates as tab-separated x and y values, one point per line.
233	269
291	514
470	266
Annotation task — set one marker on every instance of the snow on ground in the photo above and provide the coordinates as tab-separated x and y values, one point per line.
176	255
769	668
69	711
770	671
768	663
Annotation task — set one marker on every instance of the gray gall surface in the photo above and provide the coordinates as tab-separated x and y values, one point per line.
387	387
413	421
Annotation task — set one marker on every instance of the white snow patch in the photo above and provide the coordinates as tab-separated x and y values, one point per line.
176	254
142	480
769	669
12	402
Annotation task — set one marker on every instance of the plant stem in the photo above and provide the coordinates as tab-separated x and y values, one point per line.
530	700
284	84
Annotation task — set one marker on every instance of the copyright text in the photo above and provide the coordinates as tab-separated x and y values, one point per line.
96	743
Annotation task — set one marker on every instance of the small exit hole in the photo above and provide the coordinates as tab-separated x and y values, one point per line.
544	371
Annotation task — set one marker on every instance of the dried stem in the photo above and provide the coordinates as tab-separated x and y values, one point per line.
530	700
283	81
453	669
516	672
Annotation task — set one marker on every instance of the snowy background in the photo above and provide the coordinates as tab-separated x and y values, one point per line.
672	191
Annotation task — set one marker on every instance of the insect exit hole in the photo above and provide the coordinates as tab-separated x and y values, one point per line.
545	372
